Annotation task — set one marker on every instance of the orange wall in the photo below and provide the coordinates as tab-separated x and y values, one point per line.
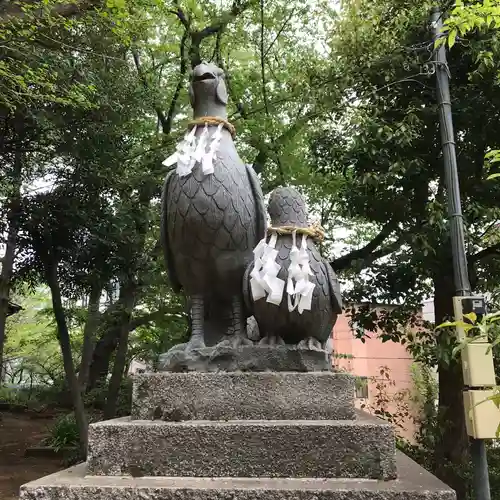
367	359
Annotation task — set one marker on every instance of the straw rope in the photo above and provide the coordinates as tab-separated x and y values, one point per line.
213	120
316	232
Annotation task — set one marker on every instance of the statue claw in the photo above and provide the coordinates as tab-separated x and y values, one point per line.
272	340
239	340
195	343
310	344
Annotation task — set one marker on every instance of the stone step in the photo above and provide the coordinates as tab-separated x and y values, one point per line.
242	396
363	448
413	483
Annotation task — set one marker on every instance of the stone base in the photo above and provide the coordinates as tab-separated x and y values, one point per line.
361	448
413	483
243	396
256	358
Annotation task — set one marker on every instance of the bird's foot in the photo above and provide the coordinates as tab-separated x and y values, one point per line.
272	340
196	342
310	344
238	340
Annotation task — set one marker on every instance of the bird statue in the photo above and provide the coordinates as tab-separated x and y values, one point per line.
212	213
288	263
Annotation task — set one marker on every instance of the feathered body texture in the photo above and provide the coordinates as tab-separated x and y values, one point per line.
212	221
287	208
212	224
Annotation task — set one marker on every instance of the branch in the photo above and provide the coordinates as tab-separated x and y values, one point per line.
167	126
236	9
182	17
283	26
198	36
161	116
10	11
262	59
368	251
486	252
265	151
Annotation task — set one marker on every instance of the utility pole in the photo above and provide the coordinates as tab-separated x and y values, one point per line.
460	271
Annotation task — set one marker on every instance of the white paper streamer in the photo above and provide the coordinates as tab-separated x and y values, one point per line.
264	276
202	144
207	162
298	287
192	150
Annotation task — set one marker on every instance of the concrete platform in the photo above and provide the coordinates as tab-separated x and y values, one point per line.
362	448
414	483
243	396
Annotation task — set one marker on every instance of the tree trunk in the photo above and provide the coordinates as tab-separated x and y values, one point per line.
452	441
101	357
89	336
112	320
65	344
121	354
13	207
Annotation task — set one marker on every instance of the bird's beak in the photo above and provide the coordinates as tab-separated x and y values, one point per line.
203	72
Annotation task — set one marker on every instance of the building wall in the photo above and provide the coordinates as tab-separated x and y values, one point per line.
367	360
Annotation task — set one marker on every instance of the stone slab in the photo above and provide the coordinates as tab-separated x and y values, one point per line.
363	448
413	483
243	396
253	358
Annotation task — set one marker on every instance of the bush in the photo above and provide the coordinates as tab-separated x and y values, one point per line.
52	396
64	433
96	398
13	396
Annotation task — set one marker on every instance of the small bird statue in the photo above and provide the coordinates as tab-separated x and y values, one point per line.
303	293
212	212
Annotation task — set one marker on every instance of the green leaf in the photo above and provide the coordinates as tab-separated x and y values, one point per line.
452	36
454	324
493	176
472	316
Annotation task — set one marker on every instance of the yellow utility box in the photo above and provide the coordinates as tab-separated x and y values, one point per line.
477	365
482	417
458	303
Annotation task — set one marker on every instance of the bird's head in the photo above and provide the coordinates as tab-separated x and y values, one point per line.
207	91
287	207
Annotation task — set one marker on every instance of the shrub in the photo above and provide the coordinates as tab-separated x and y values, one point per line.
96	398
64	433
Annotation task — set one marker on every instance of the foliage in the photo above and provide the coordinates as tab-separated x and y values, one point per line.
389	404
96	398
64	433
388	154
32	350
465	17
423	445
482	19
339	103
101	120
474	328
485	329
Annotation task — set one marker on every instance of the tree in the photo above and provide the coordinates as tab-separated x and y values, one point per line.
30	76
388	153
100	138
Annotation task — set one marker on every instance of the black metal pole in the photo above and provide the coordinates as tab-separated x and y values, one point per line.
460	271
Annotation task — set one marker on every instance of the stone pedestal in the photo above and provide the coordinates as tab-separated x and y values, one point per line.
242	436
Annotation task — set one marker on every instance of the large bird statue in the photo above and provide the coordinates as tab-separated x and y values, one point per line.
212	212
289	288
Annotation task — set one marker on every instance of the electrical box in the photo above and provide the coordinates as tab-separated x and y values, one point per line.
477	365
466	305
482	417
